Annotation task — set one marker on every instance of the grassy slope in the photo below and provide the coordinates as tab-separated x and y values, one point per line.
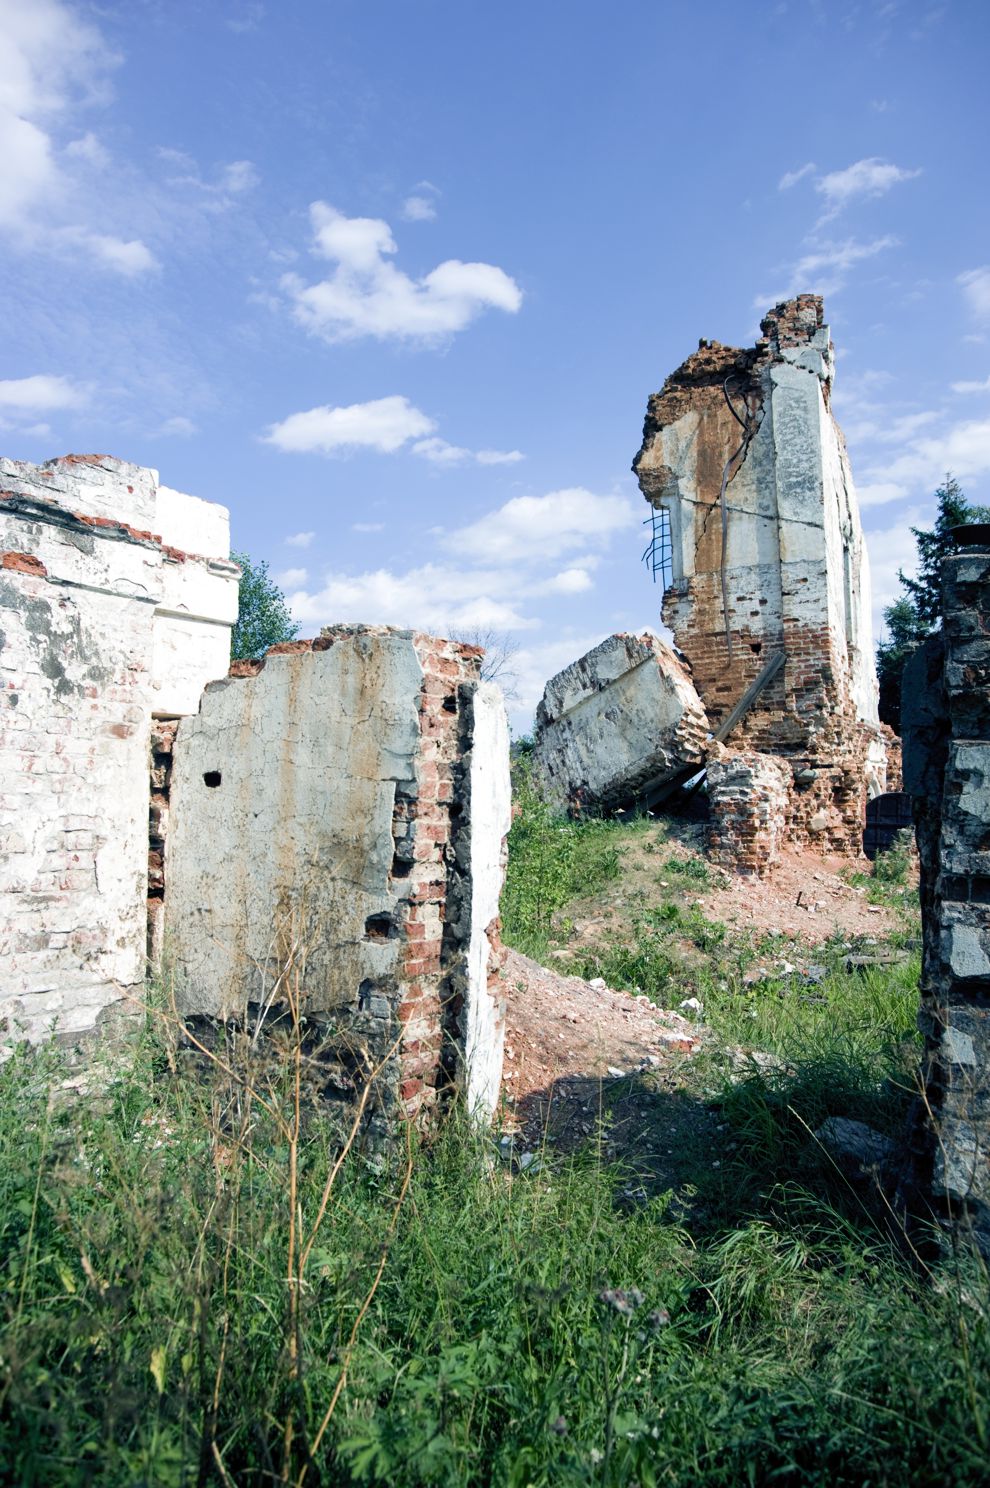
523	1331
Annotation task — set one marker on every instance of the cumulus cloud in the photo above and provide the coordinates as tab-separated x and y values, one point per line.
367	295
972	387
299	539
421	205
384	425
291	578
498	570
862	180
41	393
976	288
430	597
543	527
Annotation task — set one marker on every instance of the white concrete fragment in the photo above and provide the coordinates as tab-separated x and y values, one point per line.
615	724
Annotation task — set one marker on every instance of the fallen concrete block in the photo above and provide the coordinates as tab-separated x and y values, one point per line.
617	725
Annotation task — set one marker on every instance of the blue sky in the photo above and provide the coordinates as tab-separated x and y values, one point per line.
394	281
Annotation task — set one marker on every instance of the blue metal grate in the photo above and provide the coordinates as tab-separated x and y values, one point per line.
658	556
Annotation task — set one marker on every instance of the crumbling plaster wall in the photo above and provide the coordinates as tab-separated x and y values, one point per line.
104	621
348	797
792	575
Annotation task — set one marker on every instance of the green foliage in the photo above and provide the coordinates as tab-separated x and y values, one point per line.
695	870
525	1330
953	510
263	617
917	612
550	861
904	632
892	864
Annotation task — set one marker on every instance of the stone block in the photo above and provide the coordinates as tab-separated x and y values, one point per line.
616	724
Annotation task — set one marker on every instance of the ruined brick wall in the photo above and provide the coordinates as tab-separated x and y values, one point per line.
748	793
103	622
350	793
946	719
741	450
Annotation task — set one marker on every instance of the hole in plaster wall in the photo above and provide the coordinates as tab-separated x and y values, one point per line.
756	647
212	778
401	867
450	704
379	927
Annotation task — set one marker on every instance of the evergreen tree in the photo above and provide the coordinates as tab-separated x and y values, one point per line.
263	617
918	611
924	593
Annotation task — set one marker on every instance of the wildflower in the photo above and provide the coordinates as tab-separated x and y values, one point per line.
625	1301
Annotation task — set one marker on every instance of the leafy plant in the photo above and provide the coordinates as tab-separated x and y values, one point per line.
263	617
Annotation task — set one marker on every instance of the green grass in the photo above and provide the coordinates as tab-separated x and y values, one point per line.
162	1321
524	1331
552	860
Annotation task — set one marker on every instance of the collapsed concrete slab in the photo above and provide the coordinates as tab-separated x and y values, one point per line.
616	726
747	472
117	599
344	805
946	721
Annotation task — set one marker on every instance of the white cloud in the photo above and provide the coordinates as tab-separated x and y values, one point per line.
51	62
863	180
890	549
367	295
826	269
499	457
419	209
887	427
498	571
535	665
791	178
976	287
39	394
367	526
972	387
964	448
178	427
569	581
89	149
534	528
385	425
430	597
129	258
299	539
441	453
239	175
291	578
879	493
